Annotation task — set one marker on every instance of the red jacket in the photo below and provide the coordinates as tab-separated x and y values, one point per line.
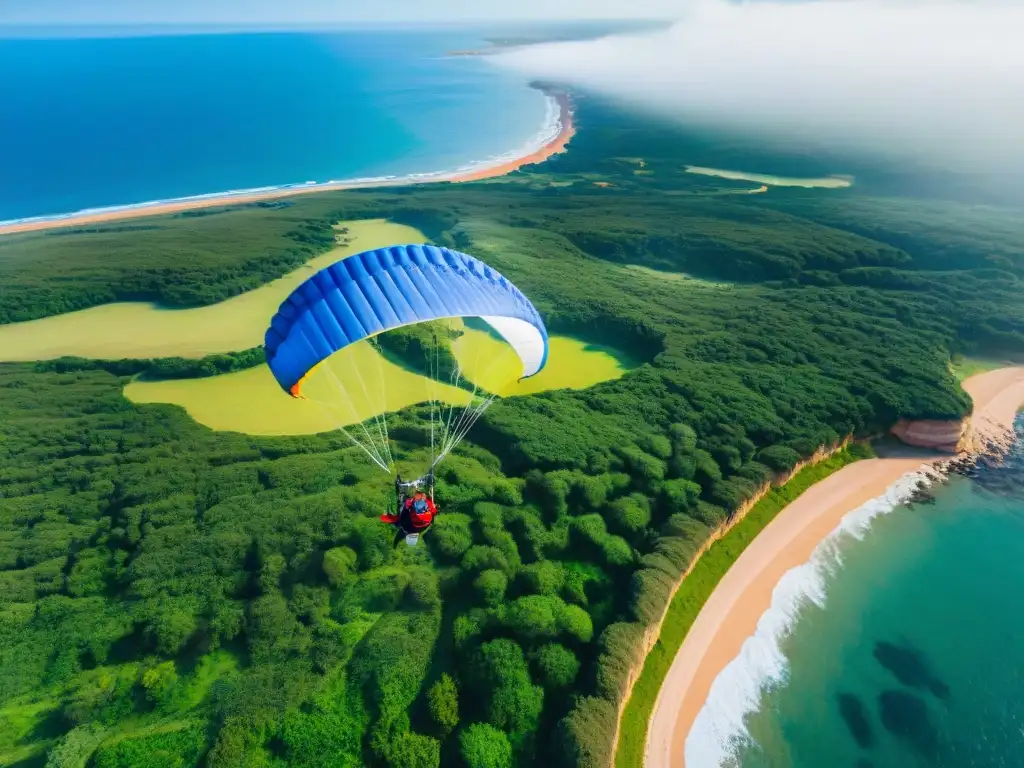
410	519
420	521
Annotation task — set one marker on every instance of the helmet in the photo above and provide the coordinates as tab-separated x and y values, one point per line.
420	505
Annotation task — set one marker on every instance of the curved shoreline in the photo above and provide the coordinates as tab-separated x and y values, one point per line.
733	611
553	139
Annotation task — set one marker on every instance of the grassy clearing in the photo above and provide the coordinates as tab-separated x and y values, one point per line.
26	756
138	329
828	182
39	719
695	591
251	401
965	367
25	735
674	277
20	718
211	668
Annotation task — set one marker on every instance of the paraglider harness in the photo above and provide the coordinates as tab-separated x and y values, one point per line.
411	499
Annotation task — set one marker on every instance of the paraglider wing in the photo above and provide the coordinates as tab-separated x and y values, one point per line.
372	292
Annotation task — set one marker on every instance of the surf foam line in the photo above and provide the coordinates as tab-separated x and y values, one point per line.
719	728
549	132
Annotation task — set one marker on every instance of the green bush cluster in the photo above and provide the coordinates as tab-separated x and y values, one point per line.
163	367
176	261
425	348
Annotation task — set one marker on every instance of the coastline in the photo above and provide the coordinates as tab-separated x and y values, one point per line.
554	146
553	138
744	597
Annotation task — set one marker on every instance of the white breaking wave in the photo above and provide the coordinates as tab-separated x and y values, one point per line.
548	132
719	727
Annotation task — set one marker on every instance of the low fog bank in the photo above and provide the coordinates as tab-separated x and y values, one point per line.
938	82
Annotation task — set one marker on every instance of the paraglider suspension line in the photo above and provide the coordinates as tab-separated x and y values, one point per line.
379	452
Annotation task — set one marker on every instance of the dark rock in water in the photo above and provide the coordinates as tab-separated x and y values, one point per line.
922	494
905	716
1000	471
909	666
855	715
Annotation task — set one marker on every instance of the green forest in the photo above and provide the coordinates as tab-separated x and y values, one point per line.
174	596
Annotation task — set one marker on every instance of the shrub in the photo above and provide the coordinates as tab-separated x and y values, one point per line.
656	445
642	467
684	439
651	589
443	700
412	750
159	680
339	564
557	666
482	558
549	490
616	551
707	471
501	681
483	746
575	622
732	493
450	535
543	578
678	496
711	515
585	734
533	616
620	645
630	514
778	458
490	585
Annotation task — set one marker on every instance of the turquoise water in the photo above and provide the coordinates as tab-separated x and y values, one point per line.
93	122
911	652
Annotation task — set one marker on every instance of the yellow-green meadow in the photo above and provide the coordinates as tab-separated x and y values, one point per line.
145	330
354	385
359	383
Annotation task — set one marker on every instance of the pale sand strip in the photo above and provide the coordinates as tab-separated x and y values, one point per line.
731	614
555	146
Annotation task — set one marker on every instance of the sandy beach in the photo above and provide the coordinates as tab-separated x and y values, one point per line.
553	147
731	614
557	144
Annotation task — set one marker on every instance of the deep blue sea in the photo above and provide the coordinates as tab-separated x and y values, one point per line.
900	646
90	122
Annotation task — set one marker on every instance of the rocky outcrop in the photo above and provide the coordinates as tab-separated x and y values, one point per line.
938	435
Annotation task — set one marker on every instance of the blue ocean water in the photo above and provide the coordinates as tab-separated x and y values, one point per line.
90	122
907	650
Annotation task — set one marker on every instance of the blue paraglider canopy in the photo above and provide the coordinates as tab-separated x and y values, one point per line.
369	293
